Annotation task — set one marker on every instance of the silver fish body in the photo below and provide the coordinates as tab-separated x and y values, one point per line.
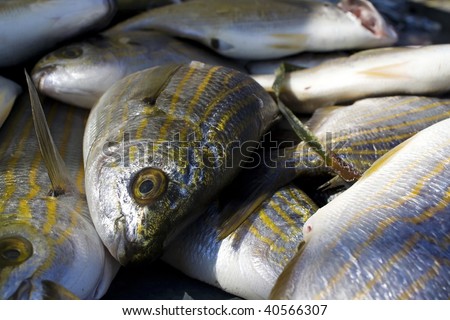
357	135
387	236
29	27
81	72
248	262
48	245
264	29
376	72
9	91
157	149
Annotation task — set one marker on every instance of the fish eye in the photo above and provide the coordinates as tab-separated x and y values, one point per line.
71	52
148	185
14	251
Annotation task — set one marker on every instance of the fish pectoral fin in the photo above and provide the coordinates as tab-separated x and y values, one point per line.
54	291
239	209
390	71
55	165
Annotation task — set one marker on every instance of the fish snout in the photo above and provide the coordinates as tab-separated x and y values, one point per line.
41	76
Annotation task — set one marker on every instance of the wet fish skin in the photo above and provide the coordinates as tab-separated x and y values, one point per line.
393	244
249	261
9	91
81	72
61	255
376	72
358	135
29	27
265	29
195	107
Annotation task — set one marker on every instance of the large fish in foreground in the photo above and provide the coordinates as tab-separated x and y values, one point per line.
377	72
160	144
358	135
264	29
49	248
8	93
29	27
81	72
387	237
248	262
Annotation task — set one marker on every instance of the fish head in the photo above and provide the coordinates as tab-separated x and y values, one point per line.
137	204
77	74
24	253
49	261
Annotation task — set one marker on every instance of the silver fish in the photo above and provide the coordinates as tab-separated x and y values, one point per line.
387	237
248	262
81	72
265	29
159	145
49	248
9	91
358	135
29	27
371	73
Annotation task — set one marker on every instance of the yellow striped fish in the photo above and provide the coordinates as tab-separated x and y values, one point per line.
377	72
388	236
248	262
49	248
265	29
358	135
8	93
160	144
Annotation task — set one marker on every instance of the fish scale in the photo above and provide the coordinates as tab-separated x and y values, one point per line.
392	246
248	262
60	230
188	109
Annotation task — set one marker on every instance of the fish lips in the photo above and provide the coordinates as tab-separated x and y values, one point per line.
44	290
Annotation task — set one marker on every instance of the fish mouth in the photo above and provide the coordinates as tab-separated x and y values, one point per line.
40	75
45	290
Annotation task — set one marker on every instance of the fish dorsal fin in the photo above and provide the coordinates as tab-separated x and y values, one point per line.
56	168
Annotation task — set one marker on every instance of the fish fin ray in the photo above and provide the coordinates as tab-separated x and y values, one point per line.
55	165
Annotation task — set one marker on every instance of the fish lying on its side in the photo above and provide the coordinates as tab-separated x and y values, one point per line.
377	72
81	72
49	248
358	135
29	27
387	237
160	144
248	262
8	93
264	29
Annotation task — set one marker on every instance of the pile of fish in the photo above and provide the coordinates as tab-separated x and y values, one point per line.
152	131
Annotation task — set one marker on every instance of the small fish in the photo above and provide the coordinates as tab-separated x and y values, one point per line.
388	236
29	27
376	72
358	135
248	262
160	144
8	93
49	248
266	29
80	73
